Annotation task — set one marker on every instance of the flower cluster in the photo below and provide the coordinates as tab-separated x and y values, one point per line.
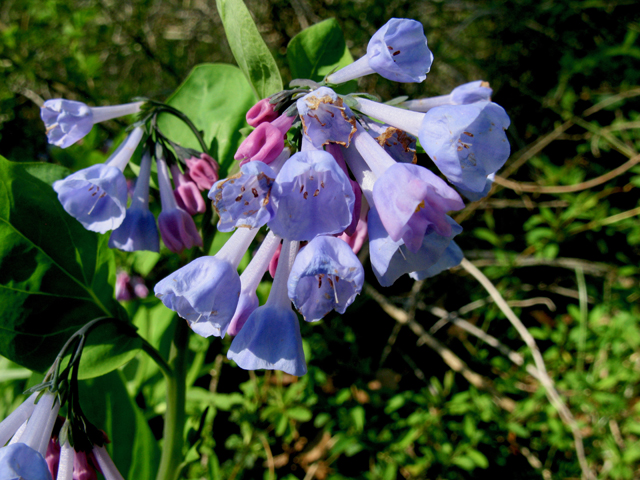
98	196
350	175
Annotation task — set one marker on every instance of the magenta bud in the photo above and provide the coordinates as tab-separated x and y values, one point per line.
188	198
83	469
203	171
52	457
273	264
264	144
178	230
283	123
261	112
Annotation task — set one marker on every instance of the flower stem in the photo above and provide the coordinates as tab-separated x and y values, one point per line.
174	419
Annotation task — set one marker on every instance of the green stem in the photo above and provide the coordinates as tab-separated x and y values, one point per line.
174	419
162	364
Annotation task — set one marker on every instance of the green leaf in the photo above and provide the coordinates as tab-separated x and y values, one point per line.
133	447
301	414
47	172
55	276
318	50
216	98
248	48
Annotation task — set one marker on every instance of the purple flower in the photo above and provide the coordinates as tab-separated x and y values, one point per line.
265	143
186	193
21	462
10	425
472	92
411	201
203	171
97	196
261	112
205	292
391	259
466	142
398	144
243	199
398	52
326	275
138	230
311	196
68	121
176	226
107	467
325	119
451	257
270	339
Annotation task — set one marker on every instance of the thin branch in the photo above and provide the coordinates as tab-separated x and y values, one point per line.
528	187
590	268
450	358
607	221
545	379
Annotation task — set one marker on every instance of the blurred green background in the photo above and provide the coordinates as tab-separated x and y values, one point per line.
416	396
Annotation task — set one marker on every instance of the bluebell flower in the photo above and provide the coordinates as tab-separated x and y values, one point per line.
10	425
391	259
205	292
270	339
411	200
243	199
466	142
249	281
138	231
471	92
398	52
311	196
325	118
451	257
21	462
107	467
397	143
176	226
68	121
326	275
97	196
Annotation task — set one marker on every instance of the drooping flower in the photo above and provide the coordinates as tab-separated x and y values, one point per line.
21	462
68	121
138	230
326	275
466	142
398	52
97	196
411	200
107	467
176	226
471	92
249	281
398	144
451	257
205	292
203	171
261	112
311	196
325	118
270	338
264	144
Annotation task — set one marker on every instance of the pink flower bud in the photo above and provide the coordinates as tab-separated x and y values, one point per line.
264	144
203	171
187	195
82	468
52	457
261	112
178	230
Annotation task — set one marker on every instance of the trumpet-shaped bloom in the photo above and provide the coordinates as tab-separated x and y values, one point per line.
466	142
398	144
68	121
311	196
205	292
325	118
97	196
138	230
391	259
411	201
270	338
21	462
243	199
451	257
398	52
326	275
471	92
107	467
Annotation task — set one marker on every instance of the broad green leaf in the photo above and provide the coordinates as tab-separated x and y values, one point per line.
133	447
248	48
216	98
317	51
55	276
47	172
